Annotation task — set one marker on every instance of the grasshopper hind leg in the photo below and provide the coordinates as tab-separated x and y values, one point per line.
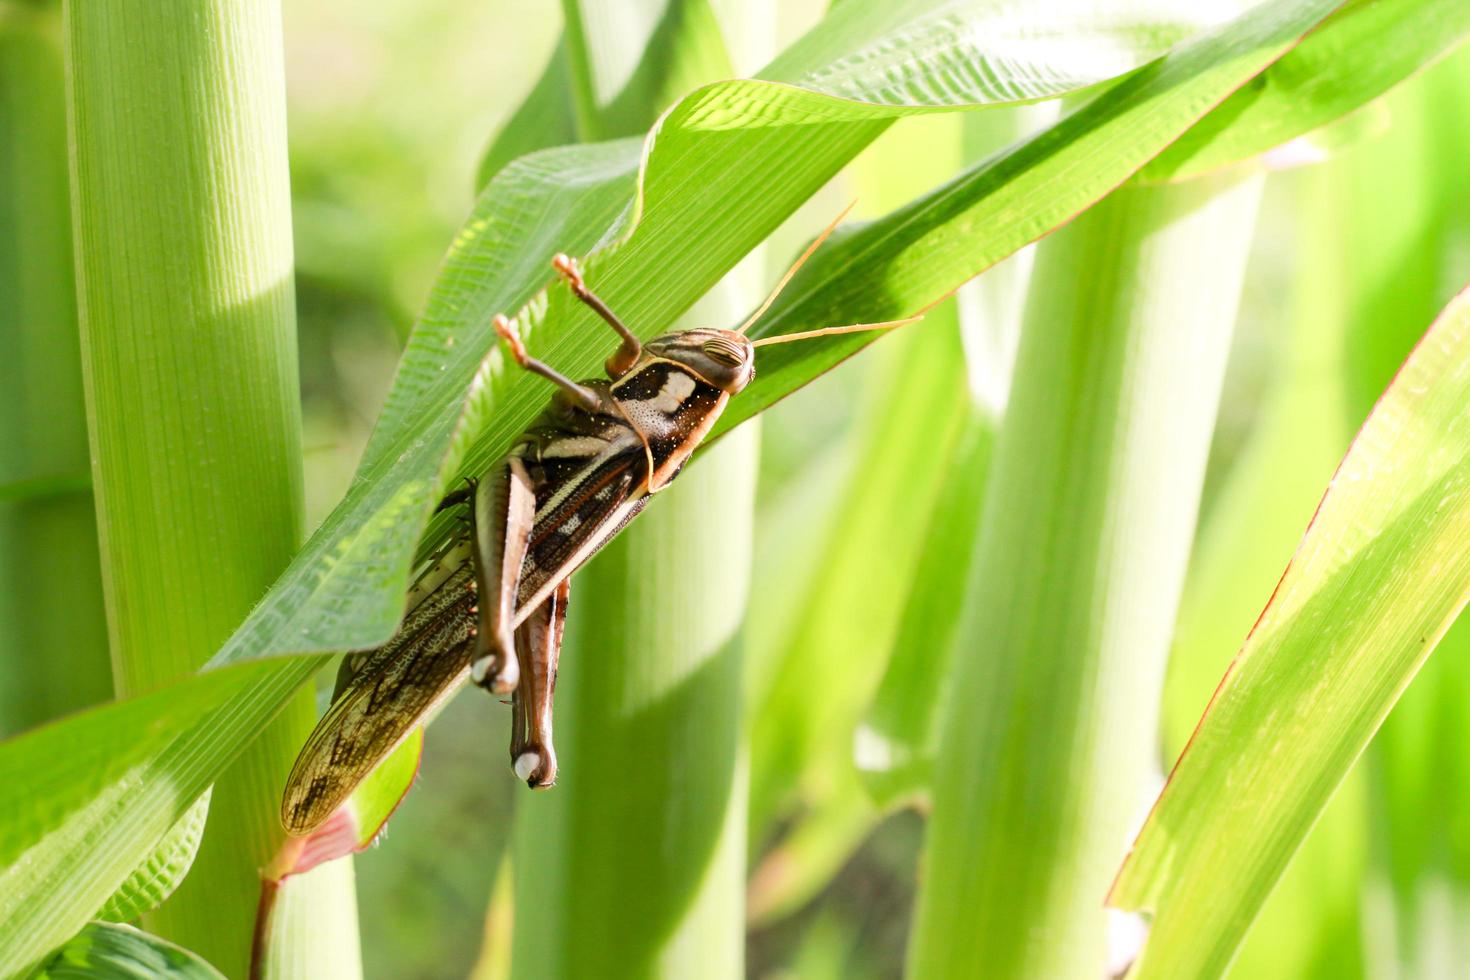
532	753
504	511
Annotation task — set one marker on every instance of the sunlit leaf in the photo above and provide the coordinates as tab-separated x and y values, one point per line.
85	800
724	167
1381	574
1355	56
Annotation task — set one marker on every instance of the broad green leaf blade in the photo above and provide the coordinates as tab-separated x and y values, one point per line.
900	264
1404	255
1381	574
109	951
1359	53
721	170
84	800
724	167
156	878
1252	526
1047	743
947	54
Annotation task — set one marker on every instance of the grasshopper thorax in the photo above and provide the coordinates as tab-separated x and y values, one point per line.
723	358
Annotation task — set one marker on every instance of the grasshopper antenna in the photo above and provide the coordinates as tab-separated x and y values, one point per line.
816	244
829	331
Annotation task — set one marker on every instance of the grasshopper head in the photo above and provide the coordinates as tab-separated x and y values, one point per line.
724	358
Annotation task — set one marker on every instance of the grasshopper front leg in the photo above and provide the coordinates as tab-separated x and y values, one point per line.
538	640
504	511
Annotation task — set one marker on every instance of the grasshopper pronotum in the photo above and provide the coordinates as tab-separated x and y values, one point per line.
493	604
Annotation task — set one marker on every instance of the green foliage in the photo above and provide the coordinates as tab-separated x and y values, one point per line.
108	951
156	878
1322	667
101	801
647	679
1322	79
50	582
88	799
1048	743
182	221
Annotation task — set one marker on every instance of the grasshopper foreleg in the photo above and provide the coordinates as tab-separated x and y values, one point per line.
579	393
627	353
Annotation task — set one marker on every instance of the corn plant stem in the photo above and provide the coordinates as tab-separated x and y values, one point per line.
1049	744
634	866
52	627
181	214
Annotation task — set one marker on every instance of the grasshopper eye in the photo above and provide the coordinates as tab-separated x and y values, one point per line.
724	351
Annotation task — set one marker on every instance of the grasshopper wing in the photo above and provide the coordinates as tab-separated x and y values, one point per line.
391	690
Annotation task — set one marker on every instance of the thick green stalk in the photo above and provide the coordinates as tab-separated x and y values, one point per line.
1051	737
53	634
181	212
634	866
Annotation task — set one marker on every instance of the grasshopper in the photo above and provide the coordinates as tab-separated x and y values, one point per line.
492	604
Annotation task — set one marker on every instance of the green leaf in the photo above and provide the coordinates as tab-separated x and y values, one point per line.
631	60
1253	524
772	144
850	611
156	878
902	263
83	801
722	169
1381	574
1362	51
109	951
655	683
1049	734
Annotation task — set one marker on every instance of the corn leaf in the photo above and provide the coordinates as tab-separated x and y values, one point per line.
109	951
1381	574
721	170
156	878
1326	77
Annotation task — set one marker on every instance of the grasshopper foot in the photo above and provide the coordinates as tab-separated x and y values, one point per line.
535	765
498	672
